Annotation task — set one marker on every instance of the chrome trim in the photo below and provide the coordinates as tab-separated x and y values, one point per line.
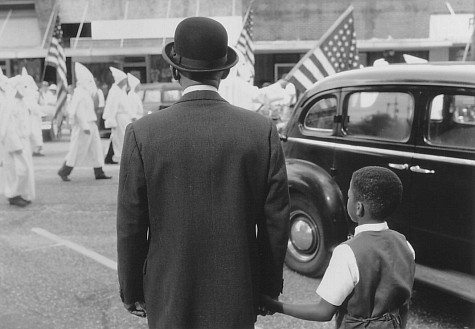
417	156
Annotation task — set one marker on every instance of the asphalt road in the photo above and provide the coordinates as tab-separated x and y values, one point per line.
58	261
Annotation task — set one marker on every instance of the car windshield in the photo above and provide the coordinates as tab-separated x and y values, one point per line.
153	95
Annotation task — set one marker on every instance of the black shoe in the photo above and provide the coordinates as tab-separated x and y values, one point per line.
18	201
110	162
103	176
38	154
63	176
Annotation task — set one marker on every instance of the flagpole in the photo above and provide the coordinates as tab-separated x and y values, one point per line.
126	12
324	36
168	15
6	21
248	10
51	17
81	25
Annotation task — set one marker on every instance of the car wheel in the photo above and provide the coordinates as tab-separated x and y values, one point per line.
306	249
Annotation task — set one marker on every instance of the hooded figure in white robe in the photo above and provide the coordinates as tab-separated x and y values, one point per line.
85	148
32	100
136	105
15	133
117	111
238	89
4	87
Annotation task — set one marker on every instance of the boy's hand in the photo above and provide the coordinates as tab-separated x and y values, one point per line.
269	305
137	308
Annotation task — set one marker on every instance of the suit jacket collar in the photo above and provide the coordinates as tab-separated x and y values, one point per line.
201	95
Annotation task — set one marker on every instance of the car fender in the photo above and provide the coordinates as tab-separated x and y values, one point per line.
315	183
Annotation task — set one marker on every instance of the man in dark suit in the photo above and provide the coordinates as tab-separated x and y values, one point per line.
195	181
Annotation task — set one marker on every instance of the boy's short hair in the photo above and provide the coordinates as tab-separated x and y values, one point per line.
378	187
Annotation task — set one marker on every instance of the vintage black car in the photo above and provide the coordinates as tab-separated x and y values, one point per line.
417	120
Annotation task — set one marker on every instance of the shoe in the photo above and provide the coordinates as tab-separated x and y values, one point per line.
38	154
63	176
18	201
103	176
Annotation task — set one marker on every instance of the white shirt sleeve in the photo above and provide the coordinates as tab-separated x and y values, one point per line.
341	276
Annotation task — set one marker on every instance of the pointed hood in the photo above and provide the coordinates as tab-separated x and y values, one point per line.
117	74
82	73
133	81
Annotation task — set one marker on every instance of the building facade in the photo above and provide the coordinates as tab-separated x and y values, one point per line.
130	34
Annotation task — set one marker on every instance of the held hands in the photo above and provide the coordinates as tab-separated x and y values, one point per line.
269	305
137	308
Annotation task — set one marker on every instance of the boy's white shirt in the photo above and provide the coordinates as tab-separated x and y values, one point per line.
342	274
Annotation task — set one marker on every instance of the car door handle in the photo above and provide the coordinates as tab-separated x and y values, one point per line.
420	170
398	166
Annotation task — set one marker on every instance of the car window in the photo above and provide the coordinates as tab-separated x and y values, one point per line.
380	115
321	114
171	95
452	121
153	95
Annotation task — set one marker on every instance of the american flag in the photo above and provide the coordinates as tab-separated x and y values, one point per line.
245	43
335	52
57	59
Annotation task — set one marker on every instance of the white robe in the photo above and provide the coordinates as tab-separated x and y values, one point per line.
136	105
241	93
35	121
84	150
117	115
15	133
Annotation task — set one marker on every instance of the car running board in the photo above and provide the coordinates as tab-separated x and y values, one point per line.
456	283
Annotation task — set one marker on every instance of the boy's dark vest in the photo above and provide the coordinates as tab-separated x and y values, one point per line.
386	269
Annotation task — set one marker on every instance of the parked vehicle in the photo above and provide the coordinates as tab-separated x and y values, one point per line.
417	120
158	95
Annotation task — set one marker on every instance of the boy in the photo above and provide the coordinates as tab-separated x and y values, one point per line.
369	280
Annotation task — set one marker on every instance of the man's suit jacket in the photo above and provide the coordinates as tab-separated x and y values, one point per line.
195	180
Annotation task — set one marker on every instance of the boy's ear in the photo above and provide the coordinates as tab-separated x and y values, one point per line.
360	209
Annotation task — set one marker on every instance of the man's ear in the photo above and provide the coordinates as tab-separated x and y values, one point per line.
225	74
360	209
175	74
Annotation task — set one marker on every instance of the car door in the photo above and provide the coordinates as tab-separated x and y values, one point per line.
443	176
376	130
311	138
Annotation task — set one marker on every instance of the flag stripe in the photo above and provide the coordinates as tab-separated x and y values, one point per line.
57	59
245	43
335	52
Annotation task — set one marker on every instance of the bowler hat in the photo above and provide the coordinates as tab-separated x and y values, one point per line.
200	45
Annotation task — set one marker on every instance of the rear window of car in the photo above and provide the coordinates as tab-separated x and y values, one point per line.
452	121
380	115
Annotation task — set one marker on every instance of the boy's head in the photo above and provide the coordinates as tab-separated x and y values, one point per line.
375	192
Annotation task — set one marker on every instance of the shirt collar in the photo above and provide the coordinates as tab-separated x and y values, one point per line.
199	87
371	227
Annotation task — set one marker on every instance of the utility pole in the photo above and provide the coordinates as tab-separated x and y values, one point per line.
472	50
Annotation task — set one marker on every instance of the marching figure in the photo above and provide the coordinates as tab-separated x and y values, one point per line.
85	148
15	134
136	105
31	100
117	113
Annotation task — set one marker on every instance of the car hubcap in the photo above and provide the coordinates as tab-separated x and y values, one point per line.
303	241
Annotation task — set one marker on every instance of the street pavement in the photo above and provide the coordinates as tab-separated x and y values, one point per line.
58	260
